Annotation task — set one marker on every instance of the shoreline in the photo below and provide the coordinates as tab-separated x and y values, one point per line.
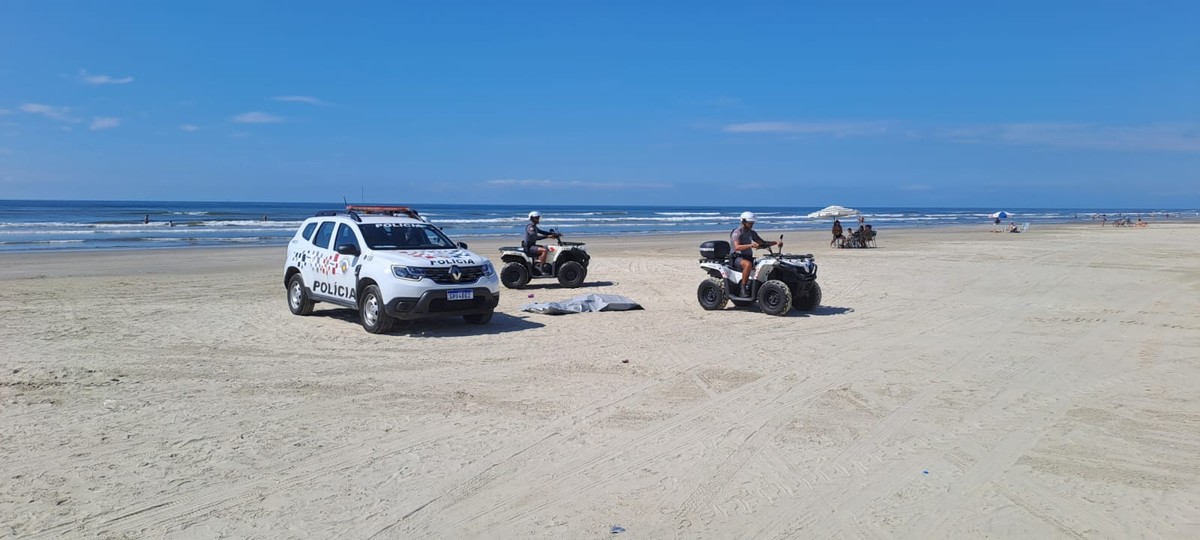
490	239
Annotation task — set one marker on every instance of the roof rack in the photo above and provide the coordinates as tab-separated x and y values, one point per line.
386	210
329	213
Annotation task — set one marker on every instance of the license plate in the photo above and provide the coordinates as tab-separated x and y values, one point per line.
460	295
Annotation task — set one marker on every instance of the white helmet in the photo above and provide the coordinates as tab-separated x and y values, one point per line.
534	214
748	216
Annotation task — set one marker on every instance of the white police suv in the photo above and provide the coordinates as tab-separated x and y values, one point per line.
390	264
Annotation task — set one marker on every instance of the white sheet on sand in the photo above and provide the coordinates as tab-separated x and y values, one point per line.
582	304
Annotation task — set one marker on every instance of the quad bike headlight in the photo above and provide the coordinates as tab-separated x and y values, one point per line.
404	272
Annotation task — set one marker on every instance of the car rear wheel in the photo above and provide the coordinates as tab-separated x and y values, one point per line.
298	301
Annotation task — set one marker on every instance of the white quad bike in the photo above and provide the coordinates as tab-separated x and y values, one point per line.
567	261
778	281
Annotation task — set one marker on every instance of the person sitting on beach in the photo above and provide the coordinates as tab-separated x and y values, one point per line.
532	235
1012	227
744	241
1141	223
837	234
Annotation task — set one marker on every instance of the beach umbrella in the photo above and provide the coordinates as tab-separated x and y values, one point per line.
1001	215
834	211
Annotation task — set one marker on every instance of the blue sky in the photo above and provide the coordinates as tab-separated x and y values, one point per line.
1018	104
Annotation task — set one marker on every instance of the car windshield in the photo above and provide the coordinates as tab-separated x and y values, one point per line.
404	236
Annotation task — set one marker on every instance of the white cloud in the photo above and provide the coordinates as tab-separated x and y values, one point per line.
104	122
300	99
834	128
1180	137
62	114
189	128
102	79
564	184
1173	137
256	117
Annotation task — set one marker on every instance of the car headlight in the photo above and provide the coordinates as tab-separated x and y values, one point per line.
488	269
404	272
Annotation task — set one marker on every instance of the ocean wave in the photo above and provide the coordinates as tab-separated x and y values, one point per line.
31	242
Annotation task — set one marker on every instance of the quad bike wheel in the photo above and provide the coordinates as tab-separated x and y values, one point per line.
711	294
514	275
810	299
571	274
774	298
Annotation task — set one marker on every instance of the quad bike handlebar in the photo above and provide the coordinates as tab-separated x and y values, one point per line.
558	236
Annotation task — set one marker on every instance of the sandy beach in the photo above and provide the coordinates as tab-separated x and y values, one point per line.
956	383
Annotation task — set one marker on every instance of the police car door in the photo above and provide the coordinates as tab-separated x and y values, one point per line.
321	275
343	272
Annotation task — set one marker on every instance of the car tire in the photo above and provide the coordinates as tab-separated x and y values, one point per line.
478	318
571	274
774	298
514	275
297	297
371	311
711	294
810	299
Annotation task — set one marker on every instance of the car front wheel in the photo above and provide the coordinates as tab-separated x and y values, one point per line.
370	311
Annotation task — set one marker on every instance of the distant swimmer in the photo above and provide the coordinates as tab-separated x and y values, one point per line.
264	217
146	219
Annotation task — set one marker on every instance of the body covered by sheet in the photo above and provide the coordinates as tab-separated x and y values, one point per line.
585	303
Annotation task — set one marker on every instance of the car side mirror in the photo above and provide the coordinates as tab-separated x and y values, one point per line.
462	245
348	249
